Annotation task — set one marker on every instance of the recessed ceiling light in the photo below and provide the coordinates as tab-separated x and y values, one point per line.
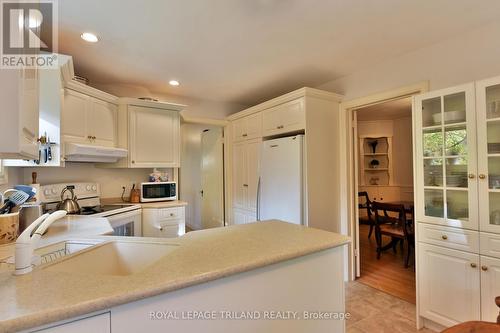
173	82
89	37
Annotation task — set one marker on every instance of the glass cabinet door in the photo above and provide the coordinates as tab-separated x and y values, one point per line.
488	127
446	157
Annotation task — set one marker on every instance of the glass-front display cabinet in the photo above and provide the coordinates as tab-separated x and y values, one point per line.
488	136
446	157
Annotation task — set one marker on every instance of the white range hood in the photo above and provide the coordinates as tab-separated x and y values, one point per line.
76	152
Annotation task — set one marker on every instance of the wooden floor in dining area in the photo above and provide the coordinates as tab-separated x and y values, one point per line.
387	274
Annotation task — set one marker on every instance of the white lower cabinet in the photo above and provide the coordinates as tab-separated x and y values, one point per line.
449	285
490	287
242	216
96	324
163	222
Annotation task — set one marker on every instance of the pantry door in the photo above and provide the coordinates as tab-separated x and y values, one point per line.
212	178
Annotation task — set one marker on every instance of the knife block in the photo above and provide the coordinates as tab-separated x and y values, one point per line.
135	196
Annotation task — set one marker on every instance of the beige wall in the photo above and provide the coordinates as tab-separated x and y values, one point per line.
402	152
464	58
111	180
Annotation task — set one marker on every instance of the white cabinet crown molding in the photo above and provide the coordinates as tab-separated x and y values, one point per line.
302	92
151	104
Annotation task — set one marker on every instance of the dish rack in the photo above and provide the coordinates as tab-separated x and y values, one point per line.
59	250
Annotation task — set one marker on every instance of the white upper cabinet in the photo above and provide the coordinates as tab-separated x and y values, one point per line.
249	127
488	135
88	120
103	122
20	114
446	157
74	117
154	137
284	118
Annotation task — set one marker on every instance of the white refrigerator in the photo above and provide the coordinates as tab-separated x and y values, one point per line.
281	191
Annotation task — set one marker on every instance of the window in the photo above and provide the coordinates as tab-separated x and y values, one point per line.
3	174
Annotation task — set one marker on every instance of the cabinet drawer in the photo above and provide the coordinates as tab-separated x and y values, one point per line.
173	213
453	238
284	118
490	244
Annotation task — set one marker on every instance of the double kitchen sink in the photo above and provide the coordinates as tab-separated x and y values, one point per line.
103	257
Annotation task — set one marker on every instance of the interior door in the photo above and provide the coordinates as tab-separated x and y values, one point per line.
356	199
212	179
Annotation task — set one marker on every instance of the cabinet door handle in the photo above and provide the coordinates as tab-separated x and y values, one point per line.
473	265
245	185
444	237
482	176
245	135
472	176
280	127
484	268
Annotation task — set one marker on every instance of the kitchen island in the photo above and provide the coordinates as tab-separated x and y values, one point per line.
268	277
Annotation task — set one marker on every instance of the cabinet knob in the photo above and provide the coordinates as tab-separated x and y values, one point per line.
444	237
472	176
482	176
94	138
473	265
484	268
133	162
171	214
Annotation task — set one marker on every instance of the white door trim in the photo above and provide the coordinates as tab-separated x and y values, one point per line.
348	212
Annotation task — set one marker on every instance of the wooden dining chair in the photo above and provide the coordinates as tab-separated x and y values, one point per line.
368	218
391	221
477	326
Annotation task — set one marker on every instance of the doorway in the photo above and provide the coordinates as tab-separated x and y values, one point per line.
212	178
201	175
382	144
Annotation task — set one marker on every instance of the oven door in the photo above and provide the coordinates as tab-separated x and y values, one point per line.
127	223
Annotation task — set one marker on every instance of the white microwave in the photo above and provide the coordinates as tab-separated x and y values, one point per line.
158	191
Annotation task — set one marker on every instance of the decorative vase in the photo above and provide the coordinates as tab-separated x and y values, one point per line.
374	144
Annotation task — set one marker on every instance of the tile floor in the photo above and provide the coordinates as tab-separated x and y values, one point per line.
373	311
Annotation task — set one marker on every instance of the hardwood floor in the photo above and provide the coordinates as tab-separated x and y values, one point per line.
387	274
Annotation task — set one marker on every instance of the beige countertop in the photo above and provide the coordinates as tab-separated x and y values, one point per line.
158	204
45	296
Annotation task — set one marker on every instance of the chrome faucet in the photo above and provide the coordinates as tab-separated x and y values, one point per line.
26	243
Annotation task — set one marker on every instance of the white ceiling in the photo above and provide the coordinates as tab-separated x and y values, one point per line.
400	108
246	51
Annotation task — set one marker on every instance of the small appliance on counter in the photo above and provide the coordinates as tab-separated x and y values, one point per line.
158	191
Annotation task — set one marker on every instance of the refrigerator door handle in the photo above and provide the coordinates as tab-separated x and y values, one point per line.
258	201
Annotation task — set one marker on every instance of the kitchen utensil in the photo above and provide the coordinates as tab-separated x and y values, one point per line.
135	195
16	199
28	214
31	191
70	205
9	226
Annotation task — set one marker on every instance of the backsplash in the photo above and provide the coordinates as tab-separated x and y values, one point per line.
111	180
